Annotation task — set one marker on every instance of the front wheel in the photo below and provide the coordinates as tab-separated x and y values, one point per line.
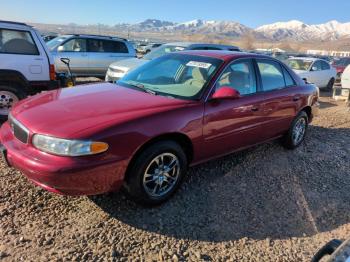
297	131
156	173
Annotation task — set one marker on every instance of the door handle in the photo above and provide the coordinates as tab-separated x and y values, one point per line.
296	98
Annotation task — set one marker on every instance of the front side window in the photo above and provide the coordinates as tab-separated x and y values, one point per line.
74	45
182	76
271	75
317	66
325	66
17	42
240	76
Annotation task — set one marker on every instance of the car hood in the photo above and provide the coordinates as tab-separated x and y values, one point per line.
128	64
83	111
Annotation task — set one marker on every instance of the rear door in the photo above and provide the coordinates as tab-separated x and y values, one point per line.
230	124
281	97
22	46
102	53
76	50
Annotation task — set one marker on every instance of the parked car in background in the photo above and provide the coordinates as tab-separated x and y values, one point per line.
26	65
118	69
176	111
148	48
90	55
340	66
314	70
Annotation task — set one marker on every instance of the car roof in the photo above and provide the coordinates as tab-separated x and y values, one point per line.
307	58
188	44
95	36
223	55
13	24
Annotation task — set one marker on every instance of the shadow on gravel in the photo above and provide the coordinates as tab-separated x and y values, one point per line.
263	192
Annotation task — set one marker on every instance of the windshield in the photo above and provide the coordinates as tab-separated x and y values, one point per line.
52	44
162	50
299	64
175	75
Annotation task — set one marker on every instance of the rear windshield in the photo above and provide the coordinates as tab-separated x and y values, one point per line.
165	49
299	64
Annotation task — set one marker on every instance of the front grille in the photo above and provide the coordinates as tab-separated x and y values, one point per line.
19	130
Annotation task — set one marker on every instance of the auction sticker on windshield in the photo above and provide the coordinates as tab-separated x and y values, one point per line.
198	64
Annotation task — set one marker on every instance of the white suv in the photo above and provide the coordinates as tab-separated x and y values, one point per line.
26	65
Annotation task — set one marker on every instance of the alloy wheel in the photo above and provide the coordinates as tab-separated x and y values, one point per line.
299	130
161	175
7	100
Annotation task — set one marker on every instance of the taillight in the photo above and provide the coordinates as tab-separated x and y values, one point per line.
52	73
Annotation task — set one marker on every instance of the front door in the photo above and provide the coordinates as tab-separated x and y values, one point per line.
231	124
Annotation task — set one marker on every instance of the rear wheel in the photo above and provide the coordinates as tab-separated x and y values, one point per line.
156	173
297	131
330	84
9	95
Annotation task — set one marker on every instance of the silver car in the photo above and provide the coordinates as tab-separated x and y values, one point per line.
89	55
118	69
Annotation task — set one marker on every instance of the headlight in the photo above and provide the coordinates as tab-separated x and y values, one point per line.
65	147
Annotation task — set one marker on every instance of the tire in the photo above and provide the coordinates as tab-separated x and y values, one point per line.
300	122
146	173
9	95
330	84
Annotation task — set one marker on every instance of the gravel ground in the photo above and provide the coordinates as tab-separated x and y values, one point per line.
263	204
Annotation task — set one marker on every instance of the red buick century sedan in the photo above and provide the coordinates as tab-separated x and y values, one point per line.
144	132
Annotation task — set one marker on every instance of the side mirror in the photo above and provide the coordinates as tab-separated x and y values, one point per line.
226	92
60	49
65	60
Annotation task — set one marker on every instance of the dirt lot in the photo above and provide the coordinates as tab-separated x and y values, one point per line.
263	204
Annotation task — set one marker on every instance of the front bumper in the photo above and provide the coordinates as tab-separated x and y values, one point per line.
113	76
88	175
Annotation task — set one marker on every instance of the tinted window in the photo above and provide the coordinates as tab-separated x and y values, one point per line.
107	46
114	47
17	42
271	75
288	78
325	66
240	76
317	66
74	45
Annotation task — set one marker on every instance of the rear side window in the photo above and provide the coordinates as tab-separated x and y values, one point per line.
288	78
17	42
325	66
107	46
271	75
114	47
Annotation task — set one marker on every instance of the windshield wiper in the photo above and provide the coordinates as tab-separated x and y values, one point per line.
143	88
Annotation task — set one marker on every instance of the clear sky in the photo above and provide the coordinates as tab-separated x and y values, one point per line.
252	13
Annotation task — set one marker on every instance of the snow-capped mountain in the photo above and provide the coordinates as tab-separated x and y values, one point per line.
298	30
295	30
